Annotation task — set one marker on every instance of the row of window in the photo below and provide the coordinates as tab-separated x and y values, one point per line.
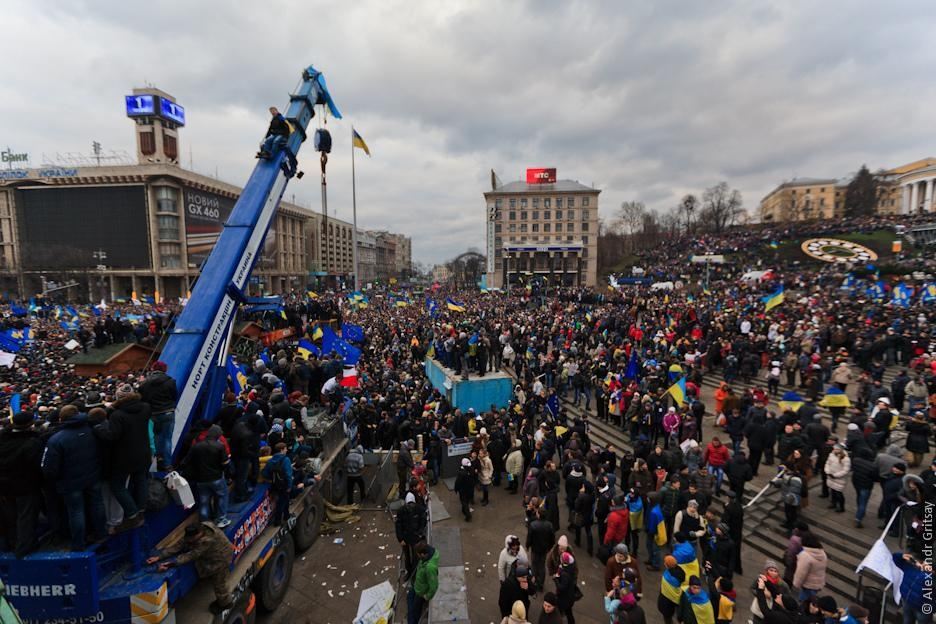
546	228
547	202
498	241
547	215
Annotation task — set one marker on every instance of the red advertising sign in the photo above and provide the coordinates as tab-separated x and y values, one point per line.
541	176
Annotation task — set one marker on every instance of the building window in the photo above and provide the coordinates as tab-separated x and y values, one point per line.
546	215
147	143
523	228
584	215
558	203
170	256
536	215
536	227
585	252
167	199
584	226
168	227
497	227
536	202
513	203
523	202
822	190
584	201
570	202
558	227
570	215
512	227
546	203
585	240
558	214
512	215
523	215
497	203
546	227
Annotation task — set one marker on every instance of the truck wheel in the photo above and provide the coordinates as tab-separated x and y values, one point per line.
273	582
339	483
244	612
307	524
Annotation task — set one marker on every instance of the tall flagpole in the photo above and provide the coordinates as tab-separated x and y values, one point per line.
354	252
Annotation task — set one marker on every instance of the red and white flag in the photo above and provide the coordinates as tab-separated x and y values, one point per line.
349	377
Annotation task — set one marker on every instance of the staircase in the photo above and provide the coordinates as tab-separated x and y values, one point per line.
844	544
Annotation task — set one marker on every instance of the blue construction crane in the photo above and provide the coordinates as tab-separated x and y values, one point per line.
108	582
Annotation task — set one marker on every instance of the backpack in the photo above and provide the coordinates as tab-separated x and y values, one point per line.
277	478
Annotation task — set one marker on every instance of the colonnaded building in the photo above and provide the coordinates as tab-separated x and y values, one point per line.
112	230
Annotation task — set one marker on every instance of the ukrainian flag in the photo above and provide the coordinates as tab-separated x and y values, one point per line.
306	349
790	401
678	391
317	333
312	295
835	398
237	374
773	300
453	305
670	587
358	142
685	554
656	527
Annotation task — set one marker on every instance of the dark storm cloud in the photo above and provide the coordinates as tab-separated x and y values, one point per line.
648	101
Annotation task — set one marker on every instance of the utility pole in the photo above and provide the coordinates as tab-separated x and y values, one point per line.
96	149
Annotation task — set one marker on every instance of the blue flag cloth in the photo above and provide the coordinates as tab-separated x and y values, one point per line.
552	404
331	342
352	333
307	349
16	403
432	307
633	368
18	310
238	374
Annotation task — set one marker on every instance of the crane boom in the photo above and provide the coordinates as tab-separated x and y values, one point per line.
194	344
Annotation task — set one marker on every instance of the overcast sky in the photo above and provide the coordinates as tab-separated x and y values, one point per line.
646	100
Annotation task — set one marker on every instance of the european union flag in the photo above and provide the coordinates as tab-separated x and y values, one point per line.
432	307
352	333
331	342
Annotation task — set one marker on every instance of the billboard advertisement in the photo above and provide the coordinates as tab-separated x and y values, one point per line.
205	214
62	227
541	176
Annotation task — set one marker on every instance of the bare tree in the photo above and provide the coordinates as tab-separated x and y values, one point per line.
688	206
721	206
631	218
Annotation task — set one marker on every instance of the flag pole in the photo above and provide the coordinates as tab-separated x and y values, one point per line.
354	250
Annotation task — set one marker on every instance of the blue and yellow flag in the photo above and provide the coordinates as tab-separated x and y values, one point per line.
238	374
656	527
928	294
316	333
432	308
306	349
312	294
685	554
454	306
771	301
678	391
701	607
670	588
358	142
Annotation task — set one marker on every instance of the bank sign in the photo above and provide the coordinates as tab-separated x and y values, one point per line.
10	157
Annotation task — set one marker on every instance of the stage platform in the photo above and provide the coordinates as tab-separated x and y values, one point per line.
475	392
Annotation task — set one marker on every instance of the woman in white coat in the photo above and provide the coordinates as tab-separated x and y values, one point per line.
837	468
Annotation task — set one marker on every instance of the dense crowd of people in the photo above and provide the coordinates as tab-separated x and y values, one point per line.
78	454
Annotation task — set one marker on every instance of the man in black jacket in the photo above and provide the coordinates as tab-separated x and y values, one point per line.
276	136
464	486
20	481
410	525
541	537
127	430
160	392
205	465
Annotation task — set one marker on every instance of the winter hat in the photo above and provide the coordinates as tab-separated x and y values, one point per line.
567	558
621	549
466	463
770	563
563	541
550	597
853	427
124	391
693	503
695	580
670	561
518	611
159	365
410	498
827	603
93	399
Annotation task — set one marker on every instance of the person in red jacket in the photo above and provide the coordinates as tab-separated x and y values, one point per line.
618	522
716	456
